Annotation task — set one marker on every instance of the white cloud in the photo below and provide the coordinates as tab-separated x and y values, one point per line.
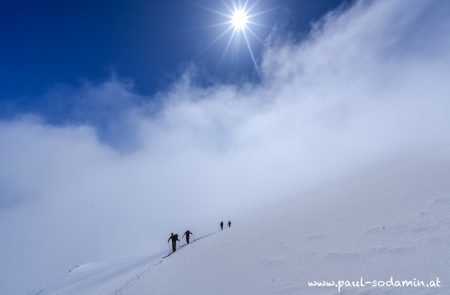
370	85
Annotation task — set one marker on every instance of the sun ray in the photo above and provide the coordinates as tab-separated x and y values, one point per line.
215	40
255	36
259	13
255	64
210	9
224	3
255	4
253	23
245	5
210	27
217	25
234	7
227	46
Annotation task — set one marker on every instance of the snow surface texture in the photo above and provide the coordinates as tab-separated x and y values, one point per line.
395	223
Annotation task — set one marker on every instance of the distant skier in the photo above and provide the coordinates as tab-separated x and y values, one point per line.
174	238
188	235
221	225
229	223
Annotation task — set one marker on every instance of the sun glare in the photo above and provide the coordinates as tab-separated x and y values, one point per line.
241	25
239	19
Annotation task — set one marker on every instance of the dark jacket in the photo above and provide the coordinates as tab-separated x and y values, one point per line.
174	238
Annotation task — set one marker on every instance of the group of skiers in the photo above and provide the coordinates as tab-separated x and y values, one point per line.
187	234
174	238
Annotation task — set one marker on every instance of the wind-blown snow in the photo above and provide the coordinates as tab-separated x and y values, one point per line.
394	223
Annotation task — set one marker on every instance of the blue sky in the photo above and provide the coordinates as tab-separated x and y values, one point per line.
47	43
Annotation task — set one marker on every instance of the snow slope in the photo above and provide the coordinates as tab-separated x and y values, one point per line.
395	223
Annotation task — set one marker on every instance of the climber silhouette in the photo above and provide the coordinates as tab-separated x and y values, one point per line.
187	234
221	225
174	238
229	223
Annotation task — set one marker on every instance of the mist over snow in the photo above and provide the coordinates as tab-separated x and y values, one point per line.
368	86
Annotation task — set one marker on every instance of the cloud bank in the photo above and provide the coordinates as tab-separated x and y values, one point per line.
367	87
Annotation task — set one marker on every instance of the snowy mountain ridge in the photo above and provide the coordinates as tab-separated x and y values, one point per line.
394	225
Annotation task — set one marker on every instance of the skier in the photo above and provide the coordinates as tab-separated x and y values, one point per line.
174	238
229	223
221	225
188	235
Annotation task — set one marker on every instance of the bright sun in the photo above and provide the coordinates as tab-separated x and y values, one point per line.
239	19
241	25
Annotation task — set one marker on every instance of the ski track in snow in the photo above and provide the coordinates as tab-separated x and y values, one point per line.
120	290
104	276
